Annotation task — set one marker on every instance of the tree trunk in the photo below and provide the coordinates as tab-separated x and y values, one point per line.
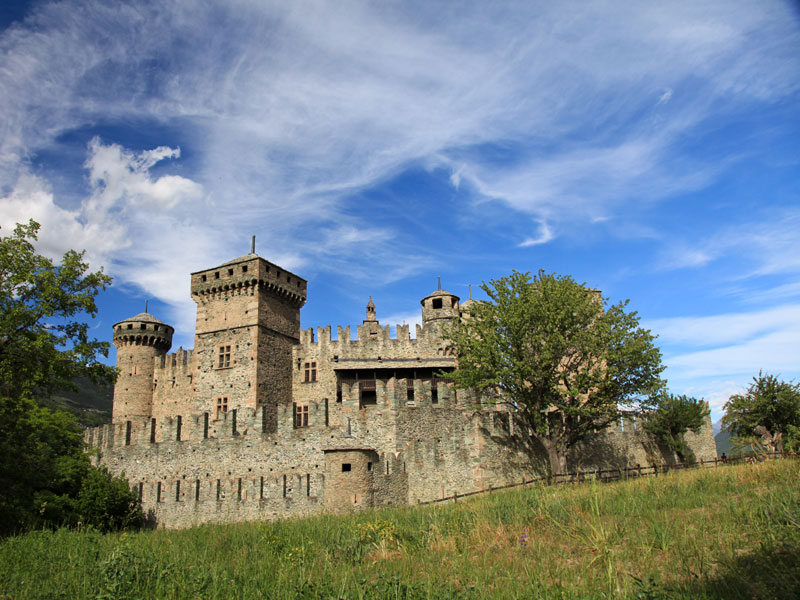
557	458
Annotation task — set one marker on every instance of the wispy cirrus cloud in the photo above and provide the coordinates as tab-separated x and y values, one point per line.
288	109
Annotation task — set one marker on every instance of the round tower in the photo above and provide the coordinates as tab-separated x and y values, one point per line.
139	340
439	307
466	306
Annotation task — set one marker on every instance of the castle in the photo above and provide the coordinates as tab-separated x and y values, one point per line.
265	420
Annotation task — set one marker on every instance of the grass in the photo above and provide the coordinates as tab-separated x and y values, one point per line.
730	532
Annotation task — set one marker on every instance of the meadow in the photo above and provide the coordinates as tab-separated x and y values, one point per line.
727	532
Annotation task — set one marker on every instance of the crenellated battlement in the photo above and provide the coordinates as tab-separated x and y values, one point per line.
369	333
263	420
245	275
177	363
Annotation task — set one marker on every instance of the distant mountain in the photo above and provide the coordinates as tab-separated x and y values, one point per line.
90	403
723	439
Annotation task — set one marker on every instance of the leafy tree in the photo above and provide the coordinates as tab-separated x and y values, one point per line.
768	402
44	346
672	417
552	350
107	502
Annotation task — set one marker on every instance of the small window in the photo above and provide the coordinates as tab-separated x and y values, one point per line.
346	467
434	396
369	466
222	406
301	415
437	303
230	271
216	275
310	372
224	357
203	278
130	325
244	268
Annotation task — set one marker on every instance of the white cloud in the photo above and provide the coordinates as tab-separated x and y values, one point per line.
716	356
762	247
290	107
724	329
544	235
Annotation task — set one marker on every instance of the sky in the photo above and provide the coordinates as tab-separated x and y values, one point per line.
648	149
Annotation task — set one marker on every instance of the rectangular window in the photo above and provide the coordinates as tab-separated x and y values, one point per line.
346	467
224	357
205	426
127	433
152	431
178	491
178	428
196	490
222	406
311	372
158	491
301	415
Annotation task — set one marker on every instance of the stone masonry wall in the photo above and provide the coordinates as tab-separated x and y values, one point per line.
240	472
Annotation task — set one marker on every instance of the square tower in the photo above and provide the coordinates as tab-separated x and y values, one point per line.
248	319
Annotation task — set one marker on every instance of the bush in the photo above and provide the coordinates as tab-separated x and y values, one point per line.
107	502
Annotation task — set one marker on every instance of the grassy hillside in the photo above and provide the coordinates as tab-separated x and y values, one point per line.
730	532
90	403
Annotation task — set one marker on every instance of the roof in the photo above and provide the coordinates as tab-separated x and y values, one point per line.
437	294
142	318
244	258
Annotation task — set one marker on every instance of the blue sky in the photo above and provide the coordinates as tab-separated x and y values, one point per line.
651	150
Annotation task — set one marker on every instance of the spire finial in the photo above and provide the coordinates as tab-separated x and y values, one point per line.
253	245
470	291
145	305
439	279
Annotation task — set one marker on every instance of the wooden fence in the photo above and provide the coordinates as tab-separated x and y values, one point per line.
606	475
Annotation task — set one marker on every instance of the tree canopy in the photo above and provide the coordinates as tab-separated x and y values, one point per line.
45	477
768	402
557	354
43	346
670	419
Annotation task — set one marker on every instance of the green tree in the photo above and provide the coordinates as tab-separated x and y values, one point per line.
107	502
44	346
563	360
671	418
768	402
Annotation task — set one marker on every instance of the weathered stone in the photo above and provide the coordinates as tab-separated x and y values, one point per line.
264	420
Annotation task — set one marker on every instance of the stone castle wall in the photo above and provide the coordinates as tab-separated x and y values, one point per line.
265	420
233	469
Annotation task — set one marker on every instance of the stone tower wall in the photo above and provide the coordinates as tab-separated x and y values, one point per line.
251	308
139	345
173	378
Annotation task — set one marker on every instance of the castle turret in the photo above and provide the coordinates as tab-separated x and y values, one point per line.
439	307
371	311
248	319
466	306
138	340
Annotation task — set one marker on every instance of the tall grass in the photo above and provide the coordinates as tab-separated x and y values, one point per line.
730	532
